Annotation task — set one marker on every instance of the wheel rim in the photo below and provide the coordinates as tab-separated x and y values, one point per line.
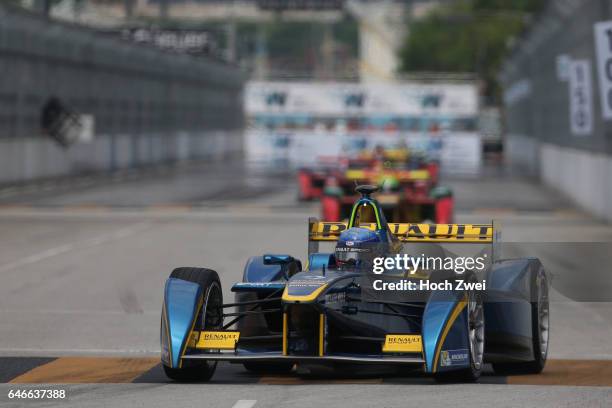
212	317
476	330
543	315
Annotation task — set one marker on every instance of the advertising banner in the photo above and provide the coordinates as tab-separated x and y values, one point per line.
303	124
346	99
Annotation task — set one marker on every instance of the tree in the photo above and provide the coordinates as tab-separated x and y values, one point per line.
467	36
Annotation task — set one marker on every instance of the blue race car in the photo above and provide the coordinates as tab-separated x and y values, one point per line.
328	313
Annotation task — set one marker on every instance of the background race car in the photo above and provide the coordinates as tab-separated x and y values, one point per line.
409	184
311	180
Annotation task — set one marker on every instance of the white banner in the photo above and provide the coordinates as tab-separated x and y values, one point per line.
348	99
603	47
581	98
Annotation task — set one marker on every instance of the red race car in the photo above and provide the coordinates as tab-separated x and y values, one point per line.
408	190
311	180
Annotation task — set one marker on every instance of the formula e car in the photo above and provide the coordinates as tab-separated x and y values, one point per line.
324	314
312	180
410	191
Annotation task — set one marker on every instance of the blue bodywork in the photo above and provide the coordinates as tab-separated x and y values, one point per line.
436	317
320	260
182	301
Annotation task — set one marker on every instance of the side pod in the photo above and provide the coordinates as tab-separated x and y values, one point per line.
182	303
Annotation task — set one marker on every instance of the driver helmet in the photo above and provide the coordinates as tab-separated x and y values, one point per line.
357	248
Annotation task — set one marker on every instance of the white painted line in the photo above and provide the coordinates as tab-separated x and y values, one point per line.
244	404
62	249
37	257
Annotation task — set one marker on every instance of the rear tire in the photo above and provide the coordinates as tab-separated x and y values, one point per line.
331	208
209	318
539	331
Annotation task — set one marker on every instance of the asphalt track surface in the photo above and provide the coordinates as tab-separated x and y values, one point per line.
83	262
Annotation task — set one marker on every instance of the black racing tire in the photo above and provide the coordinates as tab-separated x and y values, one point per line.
475	312
192	374
209	318
540	314
466	375
268	368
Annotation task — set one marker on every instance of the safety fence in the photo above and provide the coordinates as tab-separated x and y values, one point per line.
147	105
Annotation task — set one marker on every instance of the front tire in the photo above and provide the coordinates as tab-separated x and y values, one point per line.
209	318
192	374
540	315
476	340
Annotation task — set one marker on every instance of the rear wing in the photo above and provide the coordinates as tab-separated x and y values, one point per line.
407	232
402	175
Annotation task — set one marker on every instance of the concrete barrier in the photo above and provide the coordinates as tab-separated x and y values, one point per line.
27	159
583	176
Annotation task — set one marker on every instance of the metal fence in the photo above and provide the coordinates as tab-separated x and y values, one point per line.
129	89
537	90
558	102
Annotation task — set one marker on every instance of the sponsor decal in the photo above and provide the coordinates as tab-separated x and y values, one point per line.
352	249
310	283
403	343
449	358
312	277
258	284
384	199
469	233
223	340
443	232
335	297
355	174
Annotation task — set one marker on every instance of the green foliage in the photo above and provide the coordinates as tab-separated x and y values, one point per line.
467	36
